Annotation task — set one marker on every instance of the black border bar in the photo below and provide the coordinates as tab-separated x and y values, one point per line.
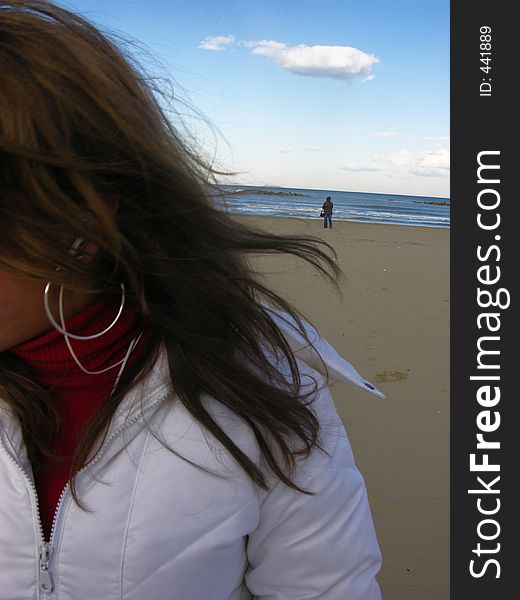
484	267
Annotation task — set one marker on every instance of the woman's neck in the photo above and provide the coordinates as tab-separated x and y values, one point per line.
52	363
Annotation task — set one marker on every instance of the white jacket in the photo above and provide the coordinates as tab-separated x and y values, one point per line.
159	528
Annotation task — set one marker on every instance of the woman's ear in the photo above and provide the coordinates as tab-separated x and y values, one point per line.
84	250
77	247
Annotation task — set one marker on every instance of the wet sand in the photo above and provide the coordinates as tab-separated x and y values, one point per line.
393	326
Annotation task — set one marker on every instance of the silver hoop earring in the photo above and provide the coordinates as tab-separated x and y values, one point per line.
61	328
68	336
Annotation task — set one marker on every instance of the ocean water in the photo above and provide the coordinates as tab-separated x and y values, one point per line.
415	211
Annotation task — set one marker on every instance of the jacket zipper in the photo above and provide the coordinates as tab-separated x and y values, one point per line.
45	582
44	548
45	579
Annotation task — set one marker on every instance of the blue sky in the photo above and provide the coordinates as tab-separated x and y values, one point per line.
328	94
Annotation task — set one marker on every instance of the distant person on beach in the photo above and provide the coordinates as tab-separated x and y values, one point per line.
166	424
327	212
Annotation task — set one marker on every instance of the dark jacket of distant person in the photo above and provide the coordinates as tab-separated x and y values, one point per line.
327	206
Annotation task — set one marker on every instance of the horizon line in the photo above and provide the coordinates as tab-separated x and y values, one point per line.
334	190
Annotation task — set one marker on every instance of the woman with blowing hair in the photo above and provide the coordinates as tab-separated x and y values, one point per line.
166	431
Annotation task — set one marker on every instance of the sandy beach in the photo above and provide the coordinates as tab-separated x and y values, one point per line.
393	326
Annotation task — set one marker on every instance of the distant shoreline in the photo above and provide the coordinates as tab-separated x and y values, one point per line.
264	193
434	203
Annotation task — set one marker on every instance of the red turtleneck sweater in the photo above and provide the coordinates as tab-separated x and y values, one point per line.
77	394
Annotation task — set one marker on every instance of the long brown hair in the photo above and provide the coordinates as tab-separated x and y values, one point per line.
79	125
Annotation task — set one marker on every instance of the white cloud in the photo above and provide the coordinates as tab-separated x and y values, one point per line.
383	135
336	62
437	159
401	159
361	168
313	148
217	42
430	163
438	138
422	172
283	150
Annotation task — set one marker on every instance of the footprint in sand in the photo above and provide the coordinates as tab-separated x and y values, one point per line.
390	376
